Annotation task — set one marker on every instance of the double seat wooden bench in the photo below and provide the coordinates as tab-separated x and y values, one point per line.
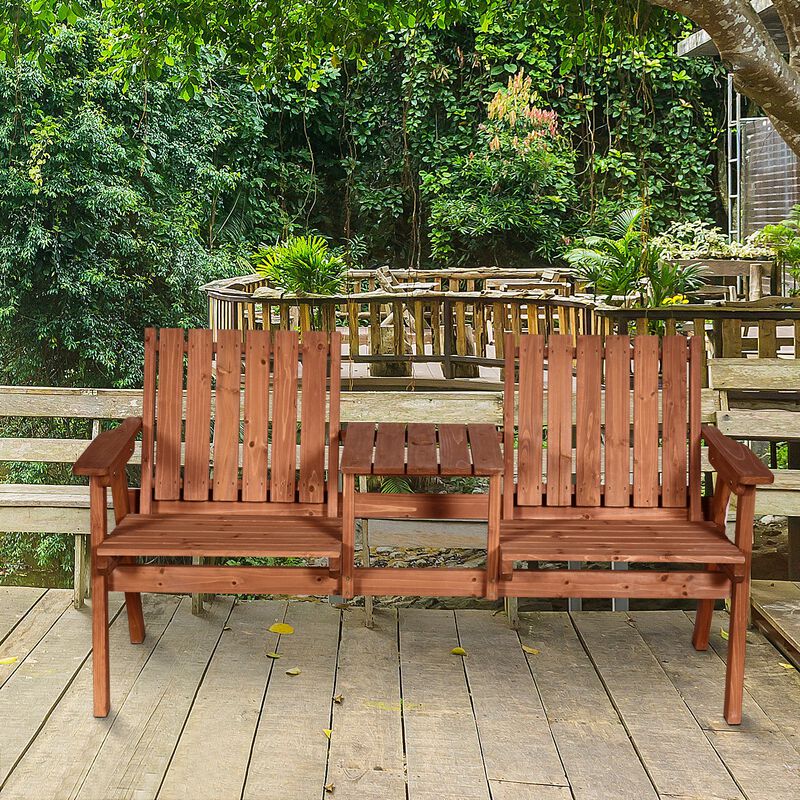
600	463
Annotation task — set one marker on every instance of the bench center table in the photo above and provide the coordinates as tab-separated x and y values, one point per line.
421	450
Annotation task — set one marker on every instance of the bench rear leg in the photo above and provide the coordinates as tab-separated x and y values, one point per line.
702	624
133	604
100	665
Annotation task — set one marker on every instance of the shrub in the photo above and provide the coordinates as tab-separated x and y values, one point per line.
302	265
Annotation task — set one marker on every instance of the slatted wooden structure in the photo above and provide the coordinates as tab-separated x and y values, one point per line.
632	490
195	500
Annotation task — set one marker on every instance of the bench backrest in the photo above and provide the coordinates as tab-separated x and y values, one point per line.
256	379
638	449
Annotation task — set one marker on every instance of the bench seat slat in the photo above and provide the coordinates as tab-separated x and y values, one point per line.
659	541
224	535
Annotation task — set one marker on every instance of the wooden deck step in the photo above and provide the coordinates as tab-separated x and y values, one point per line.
220	535
660	541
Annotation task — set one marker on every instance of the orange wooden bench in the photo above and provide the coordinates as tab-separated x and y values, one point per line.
623	483
199	495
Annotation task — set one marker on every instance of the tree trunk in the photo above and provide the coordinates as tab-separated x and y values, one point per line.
759	69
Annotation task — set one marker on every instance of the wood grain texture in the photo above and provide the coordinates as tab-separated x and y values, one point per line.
198	416
169	414
422	452
314	352
255	478
454	458
559	421
284	417
531	389
618	422
587	423
227	415
148	401
390	449
675	427
645	421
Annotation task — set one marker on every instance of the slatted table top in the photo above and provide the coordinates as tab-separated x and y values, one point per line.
395	448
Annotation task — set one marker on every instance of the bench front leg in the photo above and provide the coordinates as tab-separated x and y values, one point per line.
100	659
348	534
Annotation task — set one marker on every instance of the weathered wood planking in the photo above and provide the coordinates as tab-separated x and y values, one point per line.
756	374
15	603
673	748
61	755
762	761
442	745
767	678
778	604
594	747
134	757
216	766
31	627
506	703
290	747
366	760
34	689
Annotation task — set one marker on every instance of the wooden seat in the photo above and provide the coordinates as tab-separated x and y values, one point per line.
656	541
631	492
224	535
221	424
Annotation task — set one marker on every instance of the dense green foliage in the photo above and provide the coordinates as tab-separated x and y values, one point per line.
302	265
117	201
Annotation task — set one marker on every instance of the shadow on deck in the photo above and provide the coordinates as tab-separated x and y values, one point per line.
601	705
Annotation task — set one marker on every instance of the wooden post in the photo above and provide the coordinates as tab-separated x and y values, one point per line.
794	522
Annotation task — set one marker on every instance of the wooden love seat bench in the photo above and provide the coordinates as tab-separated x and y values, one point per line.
268	509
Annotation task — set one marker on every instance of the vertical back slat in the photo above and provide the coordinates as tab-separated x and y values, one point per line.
618	423
284	417
312	417
198	416
531	401
256	416
674	425
227	416
334	424
587	421
696	379
559	421
645	421
508	423
169	414
148	420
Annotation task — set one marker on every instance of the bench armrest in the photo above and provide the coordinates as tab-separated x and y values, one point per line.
109	451
734	462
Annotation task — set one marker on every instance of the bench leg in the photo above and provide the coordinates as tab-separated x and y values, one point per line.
737	638
197	599
100	666
702	624
512	612
348	535
80	572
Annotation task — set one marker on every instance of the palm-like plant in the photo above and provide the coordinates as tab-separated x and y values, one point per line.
627	264
302	265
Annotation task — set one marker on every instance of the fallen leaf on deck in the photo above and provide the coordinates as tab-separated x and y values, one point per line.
784	664
10	660
273	655
532	650
282	628
343	606
327	732
458	651
293	671
226	628
329	787
338	698
723	633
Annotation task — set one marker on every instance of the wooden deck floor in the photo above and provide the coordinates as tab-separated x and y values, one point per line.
607	706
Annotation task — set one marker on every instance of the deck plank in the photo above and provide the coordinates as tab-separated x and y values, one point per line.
594	747
506	702
775	688
508	790
678	756
30	694
442	745
779	603
366	756
31	628
215	768
290	748
135	754
15	603
60	757
762	761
